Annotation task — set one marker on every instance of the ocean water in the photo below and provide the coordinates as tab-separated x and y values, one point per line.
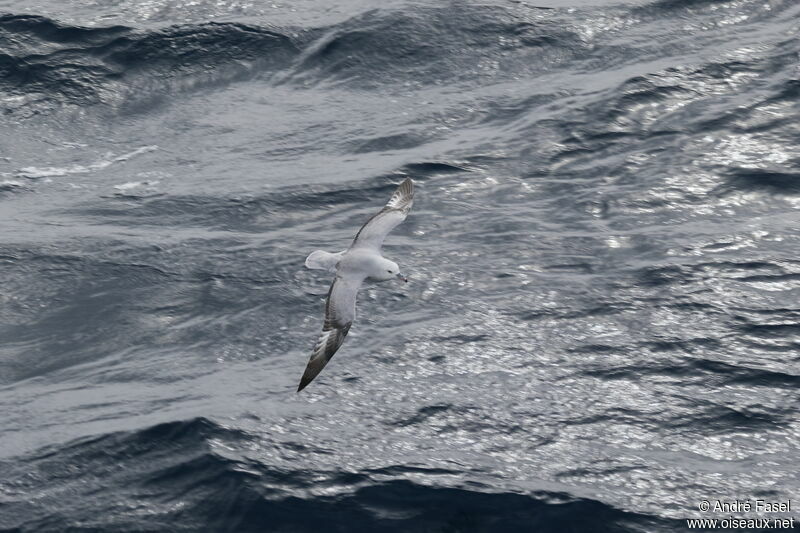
601	328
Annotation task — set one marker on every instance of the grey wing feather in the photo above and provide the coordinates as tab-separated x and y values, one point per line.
340	311
373	233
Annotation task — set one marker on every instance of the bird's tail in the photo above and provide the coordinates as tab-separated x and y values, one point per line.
320	260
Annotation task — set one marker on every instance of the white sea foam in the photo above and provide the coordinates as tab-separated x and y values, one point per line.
48	172
134	185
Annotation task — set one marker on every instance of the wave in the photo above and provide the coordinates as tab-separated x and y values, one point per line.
85	66
170	474
785	182
716	373
52	62
272	210
69	309
81	315
47	62
434	46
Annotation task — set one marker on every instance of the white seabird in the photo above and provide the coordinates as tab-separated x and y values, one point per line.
352	266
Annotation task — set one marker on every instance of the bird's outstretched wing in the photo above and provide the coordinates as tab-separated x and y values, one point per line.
372	234
340	311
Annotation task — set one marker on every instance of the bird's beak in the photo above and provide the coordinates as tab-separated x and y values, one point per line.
402	277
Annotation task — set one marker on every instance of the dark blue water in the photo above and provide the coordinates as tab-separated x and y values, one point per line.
601	329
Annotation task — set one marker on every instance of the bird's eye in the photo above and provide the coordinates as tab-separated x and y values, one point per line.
389	271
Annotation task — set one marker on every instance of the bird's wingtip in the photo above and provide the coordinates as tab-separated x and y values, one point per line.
308	376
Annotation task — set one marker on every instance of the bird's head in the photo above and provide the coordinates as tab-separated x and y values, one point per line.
388	270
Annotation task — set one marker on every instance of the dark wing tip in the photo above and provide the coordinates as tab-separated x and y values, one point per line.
403	195
406	187
318	359
311	371
313	368
304	381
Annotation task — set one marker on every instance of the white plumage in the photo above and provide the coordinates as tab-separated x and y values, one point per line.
361	261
